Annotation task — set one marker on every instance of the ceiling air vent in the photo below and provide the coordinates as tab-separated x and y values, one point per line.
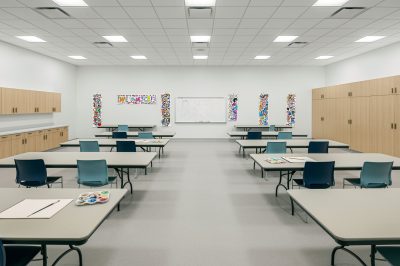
103	44
348	12
200	50
53	12
297	44
200	12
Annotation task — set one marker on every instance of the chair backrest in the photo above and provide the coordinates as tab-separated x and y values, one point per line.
126	146
376	174
319	174
145	135
119	135
318	147
284	135
271	128
2	254
254	135
31	173
276	147
123	128
89	146
94	172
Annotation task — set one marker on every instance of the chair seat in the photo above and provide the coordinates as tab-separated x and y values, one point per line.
20	255
111	179
391	254
53	179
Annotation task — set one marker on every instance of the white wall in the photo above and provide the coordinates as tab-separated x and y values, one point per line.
23	69
247	82
378	63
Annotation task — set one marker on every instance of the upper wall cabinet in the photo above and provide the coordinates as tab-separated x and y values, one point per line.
384	86
16	101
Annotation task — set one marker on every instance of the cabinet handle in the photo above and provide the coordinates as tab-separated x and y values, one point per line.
395	125
392	90
392	126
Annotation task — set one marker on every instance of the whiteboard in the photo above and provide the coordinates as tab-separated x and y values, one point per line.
200	110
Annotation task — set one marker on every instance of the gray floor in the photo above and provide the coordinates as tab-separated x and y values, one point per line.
202	204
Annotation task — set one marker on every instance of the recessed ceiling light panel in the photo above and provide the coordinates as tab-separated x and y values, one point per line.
70	2
200	57
31	38
115	38
262	57
324	57
77	57
285	38
330	2
200	38
200	3
139	57
370	38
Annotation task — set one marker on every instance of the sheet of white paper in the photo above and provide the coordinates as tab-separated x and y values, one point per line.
26	208
298	159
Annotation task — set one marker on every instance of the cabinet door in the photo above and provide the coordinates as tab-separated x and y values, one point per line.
56	102
49	102
17	144
6	146
359	139
40	141
30	141
359	89
21	102
382	86
329	113
316	94
342	120
8	101
317	115
64	136
382	124
55	138
397	126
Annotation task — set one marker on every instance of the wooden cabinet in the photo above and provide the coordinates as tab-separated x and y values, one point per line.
16	101
383	86
359	128
324	93
396	145
63	134
6	146
17	142
342	122
317	119
323	118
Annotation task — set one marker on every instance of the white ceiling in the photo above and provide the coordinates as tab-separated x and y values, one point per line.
160	30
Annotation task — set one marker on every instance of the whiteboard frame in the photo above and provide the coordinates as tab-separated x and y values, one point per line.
216	97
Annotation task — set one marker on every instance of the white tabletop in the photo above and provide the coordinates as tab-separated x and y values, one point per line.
130	126
71	225
263	133
136	133
26	130
69	159
290	143
352	216
343	161
113	142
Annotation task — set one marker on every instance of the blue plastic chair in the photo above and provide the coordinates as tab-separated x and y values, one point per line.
94	173
271	128
119	135
373	175
284	135
318	147
89	146
145	135
123	128
126	146
17	255
254	135
33	173
276	147
316	175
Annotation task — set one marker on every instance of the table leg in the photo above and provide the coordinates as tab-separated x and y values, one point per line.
71	248
373	252
279	184
159	153
44	254
244	153
348	251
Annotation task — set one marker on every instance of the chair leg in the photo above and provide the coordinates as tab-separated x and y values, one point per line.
292	205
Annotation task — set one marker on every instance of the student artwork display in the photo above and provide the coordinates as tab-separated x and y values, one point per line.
291	110
233	107
136	99
263	110
165	109
97	104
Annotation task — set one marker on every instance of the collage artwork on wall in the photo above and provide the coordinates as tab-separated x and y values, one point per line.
137	99
233	107
263	110
97	105
165	109
291	110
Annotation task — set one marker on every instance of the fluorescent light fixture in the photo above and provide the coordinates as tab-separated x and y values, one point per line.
70	2
200	3
200	38
330	2
324	57
31	38
115	38
77	57
285	38
200	57
139	57
370	38
262	57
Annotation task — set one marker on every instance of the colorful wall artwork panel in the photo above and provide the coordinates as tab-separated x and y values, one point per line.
233	107
263	110
165	109
97	105
136	99
291	110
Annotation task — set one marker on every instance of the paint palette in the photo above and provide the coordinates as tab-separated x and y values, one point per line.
90	198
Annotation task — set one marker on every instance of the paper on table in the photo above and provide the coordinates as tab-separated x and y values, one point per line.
26	208
298	159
